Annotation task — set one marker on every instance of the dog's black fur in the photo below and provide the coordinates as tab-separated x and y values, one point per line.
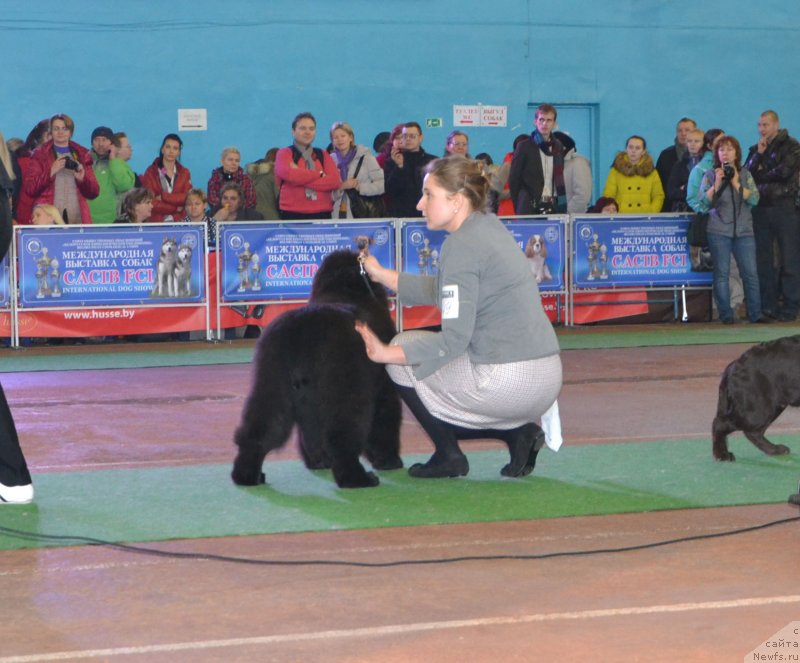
754	390
311	368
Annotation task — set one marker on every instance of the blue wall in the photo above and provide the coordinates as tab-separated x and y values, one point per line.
255	63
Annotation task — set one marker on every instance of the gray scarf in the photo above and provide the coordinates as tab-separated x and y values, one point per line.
308	155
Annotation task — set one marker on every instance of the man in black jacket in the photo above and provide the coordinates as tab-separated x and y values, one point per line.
404	173
774	163
672	155
536	178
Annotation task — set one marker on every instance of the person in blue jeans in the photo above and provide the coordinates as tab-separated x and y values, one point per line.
731	193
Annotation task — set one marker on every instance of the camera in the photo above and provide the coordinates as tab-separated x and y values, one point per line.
727	171
70	163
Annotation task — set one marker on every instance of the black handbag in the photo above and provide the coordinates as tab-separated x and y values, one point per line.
697	234
365	207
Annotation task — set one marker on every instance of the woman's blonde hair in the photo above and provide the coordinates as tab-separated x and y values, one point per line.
230	150
51	211
344	126
196	193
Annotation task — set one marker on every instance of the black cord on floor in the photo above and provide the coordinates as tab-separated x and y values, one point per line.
32	536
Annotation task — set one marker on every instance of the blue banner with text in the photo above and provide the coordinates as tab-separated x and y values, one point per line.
633	251
68	266
278	261
543	242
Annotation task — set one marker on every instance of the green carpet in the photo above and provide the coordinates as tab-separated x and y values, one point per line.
200	501
200	353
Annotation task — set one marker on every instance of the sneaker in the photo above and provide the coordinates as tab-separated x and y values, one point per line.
16	494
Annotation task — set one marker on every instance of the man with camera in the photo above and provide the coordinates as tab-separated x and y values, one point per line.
403	172
536	179
774	163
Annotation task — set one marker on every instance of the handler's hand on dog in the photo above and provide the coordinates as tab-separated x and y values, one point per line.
377	350
372	343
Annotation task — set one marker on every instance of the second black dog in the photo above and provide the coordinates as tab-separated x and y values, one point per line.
311	368
753	392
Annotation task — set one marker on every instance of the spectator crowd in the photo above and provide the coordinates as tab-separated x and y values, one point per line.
747	203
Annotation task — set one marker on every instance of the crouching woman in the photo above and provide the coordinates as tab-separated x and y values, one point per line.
494	368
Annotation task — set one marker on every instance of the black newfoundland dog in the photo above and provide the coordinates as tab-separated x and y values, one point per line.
311	369
754	390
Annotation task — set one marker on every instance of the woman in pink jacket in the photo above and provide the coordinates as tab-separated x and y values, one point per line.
305	175
60	173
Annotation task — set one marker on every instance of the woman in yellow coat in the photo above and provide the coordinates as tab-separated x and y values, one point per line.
633	180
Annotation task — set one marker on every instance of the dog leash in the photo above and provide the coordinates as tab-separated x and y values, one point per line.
364	275
363	248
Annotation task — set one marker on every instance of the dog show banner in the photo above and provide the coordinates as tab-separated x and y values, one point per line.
277	261
116	265
633	251
544	244
543	241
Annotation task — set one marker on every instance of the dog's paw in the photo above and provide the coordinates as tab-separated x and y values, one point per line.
241	478
725	456
779	450
395	463
368	480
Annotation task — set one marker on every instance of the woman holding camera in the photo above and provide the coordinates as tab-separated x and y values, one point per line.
60	173
731	193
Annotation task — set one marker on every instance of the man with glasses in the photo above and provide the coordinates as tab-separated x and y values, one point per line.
404	173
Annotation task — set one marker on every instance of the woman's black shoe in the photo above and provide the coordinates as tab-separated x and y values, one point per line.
447	460
439	467
523	446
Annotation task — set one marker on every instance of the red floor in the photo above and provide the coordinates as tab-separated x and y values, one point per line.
712	600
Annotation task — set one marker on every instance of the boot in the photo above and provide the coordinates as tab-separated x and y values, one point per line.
524	443
447	460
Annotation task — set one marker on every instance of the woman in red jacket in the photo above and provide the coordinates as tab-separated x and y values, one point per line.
168	180
38	135
60	173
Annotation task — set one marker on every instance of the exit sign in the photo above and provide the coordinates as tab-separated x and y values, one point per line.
433	123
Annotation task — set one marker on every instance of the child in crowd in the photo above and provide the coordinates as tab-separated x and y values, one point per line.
46	215
196	205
